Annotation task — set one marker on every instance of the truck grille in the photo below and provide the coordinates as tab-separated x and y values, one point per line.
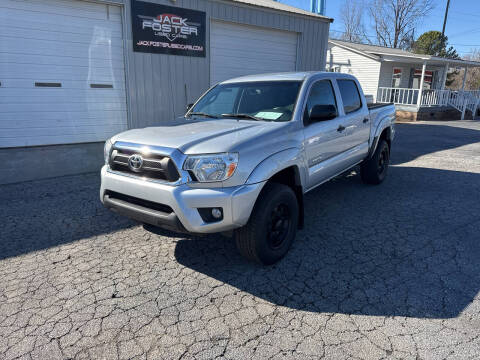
153	166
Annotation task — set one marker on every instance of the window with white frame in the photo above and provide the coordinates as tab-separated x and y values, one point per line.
427	81
396	77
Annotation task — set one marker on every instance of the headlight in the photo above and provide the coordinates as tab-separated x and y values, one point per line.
212	167
106	151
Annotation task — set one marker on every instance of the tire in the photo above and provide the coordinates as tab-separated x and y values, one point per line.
272	226
375	169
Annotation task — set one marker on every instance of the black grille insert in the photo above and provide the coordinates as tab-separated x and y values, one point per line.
154	166
140	202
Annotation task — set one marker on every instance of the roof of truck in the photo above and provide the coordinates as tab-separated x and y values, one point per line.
285	76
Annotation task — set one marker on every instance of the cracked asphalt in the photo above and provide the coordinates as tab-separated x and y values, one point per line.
389	271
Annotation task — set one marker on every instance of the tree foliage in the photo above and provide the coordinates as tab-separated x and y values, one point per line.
473	75
351	16
395	20
436	44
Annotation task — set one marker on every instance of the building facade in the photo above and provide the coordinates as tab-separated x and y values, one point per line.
415	83
75	72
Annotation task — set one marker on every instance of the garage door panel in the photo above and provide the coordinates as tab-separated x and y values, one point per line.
34	96
68	24
92	136
98	50
262	46
232	55
60	117
59	130
258	68
58	60
57	8
80	73
257	38
260	52
237	31
109	120
257	65
238	50
40	25
75	43
71	107
66	84
65	37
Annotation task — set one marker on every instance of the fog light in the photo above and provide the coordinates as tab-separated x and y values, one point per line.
210	215
216	213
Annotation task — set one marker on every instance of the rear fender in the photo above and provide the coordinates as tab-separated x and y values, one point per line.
383	123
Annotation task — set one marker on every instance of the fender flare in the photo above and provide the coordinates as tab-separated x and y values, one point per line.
385	123
278	162
267	168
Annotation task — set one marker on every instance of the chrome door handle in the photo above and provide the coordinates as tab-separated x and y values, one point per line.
341	128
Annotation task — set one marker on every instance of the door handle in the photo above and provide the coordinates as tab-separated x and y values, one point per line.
341	128
365	120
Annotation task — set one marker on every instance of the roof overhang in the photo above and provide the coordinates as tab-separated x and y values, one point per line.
363	53
429	60
406	57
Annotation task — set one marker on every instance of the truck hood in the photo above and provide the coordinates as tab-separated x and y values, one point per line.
196	137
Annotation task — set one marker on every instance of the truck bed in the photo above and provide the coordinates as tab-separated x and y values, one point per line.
377	105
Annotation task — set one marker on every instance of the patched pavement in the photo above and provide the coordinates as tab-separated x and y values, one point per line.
389	271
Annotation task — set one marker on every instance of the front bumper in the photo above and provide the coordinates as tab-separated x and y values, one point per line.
237	203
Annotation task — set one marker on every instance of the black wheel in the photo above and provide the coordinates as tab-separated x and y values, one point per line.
374	170
272	226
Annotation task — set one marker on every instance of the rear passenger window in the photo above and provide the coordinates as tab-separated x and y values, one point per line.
350	95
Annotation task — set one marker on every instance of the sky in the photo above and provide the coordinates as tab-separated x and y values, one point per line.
463	25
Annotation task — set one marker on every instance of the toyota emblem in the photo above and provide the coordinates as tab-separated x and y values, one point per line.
135	162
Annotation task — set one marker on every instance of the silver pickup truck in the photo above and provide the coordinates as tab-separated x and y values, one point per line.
244	155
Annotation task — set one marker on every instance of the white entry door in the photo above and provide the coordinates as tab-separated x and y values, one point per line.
238	50
62	76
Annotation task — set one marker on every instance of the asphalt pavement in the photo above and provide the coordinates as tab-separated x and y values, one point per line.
388	271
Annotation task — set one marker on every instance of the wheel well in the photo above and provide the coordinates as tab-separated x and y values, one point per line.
291	177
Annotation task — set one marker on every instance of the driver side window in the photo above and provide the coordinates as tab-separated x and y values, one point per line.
321	93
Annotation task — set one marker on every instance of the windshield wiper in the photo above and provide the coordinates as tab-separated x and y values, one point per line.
199	113
242	116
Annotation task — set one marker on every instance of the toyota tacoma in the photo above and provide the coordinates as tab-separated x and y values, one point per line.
243	156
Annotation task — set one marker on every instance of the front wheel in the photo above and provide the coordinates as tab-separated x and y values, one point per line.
374	170
272	226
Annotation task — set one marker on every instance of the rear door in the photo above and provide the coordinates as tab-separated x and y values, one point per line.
324	139
356	118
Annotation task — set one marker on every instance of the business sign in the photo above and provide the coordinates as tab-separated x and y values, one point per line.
165	29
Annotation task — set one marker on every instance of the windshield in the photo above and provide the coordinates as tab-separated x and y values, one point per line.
266	100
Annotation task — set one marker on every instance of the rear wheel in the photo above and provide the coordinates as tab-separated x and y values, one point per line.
374	170
272	226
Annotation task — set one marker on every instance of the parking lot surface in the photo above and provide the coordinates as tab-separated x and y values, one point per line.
389	271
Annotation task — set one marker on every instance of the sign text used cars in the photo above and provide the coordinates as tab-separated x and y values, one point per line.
167	30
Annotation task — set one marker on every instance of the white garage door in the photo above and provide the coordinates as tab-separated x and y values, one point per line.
62	77
238	50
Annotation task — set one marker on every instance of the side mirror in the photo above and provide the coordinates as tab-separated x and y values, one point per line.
189	106
322	113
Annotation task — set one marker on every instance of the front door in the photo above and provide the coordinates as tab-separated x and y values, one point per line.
324	139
